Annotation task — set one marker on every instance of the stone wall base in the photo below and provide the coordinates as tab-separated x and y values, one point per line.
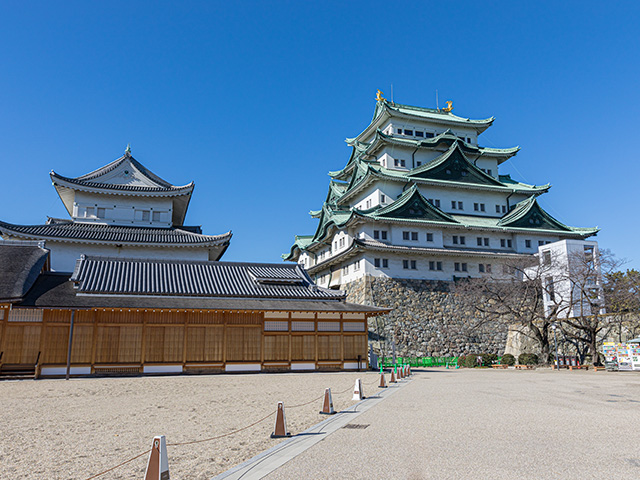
426	320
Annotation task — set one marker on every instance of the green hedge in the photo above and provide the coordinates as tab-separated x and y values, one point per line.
528	359
508	359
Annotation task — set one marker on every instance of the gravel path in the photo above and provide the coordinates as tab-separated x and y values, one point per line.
58	429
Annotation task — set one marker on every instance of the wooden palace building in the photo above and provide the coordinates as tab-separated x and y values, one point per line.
147	295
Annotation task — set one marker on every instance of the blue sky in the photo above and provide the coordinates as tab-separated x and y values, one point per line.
253	100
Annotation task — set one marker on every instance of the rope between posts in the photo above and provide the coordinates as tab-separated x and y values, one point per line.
119	465
219	436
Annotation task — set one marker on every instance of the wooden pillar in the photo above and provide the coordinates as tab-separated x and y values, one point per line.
290	337
341	341
94	341
315	321
73	316
184	341
224	337
143	343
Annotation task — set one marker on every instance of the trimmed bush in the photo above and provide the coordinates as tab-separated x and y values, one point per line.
508	359
461	360
528	359
489	359
471	361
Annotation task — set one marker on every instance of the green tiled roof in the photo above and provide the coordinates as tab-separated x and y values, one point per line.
453	165
412	205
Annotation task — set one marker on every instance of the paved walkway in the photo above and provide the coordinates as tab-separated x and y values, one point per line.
470	424
268	461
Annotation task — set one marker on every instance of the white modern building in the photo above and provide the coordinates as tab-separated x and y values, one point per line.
571	276
120	210
420	198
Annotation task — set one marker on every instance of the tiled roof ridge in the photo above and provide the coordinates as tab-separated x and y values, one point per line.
86	178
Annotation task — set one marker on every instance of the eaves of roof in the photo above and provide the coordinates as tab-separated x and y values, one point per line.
114	235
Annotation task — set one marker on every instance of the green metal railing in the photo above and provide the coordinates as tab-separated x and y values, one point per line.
421	361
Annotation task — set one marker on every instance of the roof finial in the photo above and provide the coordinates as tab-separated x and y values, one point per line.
127	152
379	97
449	106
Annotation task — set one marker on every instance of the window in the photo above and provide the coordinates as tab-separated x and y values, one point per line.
489	172
509	243
376	262
481	268
399	130
486	242
345	270
454	204
405	264
479	241
376	234
527	243
464	267
504	209
476	207
550	289
399	163
456	266
482	207
383	235
341	242
368	204
419	134
102	213
405	235
408	132
156	216
546	258
356	265
460	206
503	242
382	198
413	265
497	208
414	236
432	265
418	163
488	267
145	215
429	237
439	266
385	263
429	134
468	139
463	240
88	212
455	240
540	243
437	203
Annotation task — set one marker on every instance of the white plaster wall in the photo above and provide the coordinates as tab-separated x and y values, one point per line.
64	255
123	209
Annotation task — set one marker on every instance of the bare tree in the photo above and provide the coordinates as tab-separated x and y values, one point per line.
513	295
577	295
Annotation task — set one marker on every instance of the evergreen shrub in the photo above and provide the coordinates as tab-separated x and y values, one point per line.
461	360
528	359
471	360
508	359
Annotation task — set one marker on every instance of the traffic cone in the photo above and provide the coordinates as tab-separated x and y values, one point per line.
327	405
409	370
358	394
399	373
383	380
158	464
393	376
280	429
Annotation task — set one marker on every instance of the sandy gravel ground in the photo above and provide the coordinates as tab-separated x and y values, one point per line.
470	424
58	429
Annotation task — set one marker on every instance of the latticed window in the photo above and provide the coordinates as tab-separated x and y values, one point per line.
276	326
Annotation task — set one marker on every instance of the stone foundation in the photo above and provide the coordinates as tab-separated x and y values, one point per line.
426	319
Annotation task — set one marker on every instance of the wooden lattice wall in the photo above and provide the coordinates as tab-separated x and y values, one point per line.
139	337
